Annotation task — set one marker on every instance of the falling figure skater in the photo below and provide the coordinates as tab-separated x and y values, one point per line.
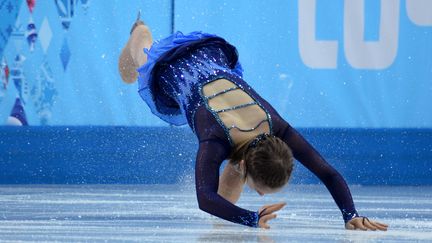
196	79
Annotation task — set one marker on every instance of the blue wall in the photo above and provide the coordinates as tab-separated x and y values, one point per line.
76	155
363	94
308	58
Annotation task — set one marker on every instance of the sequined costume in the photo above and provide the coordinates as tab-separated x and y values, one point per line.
171	83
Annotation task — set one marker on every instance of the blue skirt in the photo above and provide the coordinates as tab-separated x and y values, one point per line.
164	54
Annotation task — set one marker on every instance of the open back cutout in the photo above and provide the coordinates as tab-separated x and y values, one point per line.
239	113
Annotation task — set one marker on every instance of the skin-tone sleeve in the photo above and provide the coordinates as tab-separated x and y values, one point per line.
210	156
312	160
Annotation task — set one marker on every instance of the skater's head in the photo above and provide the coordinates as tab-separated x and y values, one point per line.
266	162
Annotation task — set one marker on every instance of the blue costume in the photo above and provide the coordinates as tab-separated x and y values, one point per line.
171	84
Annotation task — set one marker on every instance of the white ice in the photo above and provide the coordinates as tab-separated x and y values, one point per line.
169	213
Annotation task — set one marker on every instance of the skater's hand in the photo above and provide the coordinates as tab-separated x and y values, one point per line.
363	223
266	213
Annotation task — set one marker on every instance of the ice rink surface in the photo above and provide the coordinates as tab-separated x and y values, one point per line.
169	213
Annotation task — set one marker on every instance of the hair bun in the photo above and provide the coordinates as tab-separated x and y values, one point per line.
261	137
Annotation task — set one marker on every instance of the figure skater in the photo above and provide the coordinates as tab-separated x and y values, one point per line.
196	79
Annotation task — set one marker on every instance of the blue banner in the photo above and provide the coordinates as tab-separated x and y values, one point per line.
352	63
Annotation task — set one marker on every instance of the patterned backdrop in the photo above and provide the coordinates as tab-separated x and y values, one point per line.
356	63
23	36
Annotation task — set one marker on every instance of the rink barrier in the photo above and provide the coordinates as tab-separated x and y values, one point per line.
166	155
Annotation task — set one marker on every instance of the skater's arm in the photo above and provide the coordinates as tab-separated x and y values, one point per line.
210	156
214	148
311	159
231	184
335	183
